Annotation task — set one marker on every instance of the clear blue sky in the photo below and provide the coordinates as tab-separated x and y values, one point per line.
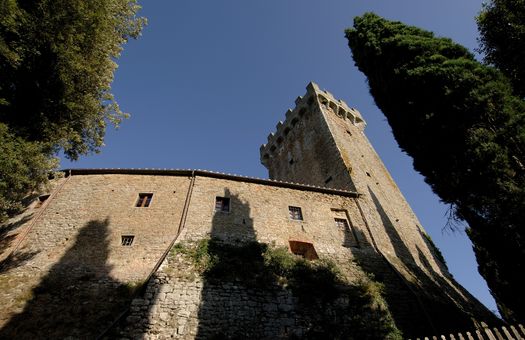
208	80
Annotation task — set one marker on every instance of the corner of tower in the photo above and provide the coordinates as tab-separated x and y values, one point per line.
316	97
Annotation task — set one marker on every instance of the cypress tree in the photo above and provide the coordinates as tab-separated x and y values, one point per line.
464	129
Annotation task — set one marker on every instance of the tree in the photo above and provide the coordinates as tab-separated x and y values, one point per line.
23	168
501	25
57	59
465	131
57	64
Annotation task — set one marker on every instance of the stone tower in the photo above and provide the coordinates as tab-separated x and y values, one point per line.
322	143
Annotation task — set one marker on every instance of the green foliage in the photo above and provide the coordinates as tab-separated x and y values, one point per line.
23	168
57	63
128	289
438	253
342	309
501	25
311	281
465	131
57	59
198	254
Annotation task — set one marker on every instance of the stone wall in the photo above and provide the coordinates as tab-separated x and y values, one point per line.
181	304
261	212
72	264
185	301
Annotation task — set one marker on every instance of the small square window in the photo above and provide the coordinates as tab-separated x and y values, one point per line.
144	200
295	213
127	240
222	204
341	224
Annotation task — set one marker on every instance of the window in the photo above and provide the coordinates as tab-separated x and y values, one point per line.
341	224
43	198
144	200
345	233
295	213
222	204
304	249
127	240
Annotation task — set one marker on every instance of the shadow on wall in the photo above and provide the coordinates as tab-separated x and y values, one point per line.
244	294
8	237
77	298
220	315
252	290
449	309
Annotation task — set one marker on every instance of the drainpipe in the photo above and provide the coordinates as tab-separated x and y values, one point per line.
182	224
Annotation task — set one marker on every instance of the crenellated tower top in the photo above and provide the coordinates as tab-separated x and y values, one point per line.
314	98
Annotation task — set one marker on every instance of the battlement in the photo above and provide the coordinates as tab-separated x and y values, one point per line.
314	98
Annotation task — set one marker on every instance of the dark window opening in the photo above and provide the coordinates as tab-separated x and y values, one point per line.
328	180
368	174
304	249
222	204
127	240
291	161
144	200
349	133
295	213
286	131
43	198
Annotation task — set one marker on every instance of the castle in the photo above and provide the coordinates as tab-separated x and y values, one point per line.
68	258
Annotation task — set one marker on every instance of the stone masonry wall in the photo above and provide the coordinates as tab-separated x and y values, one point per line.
261	212
180	304
71	264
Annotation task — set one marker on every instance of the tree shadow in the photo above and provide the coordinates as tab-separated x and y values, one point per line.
78	297
254	290
232	227
230	286
444	306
